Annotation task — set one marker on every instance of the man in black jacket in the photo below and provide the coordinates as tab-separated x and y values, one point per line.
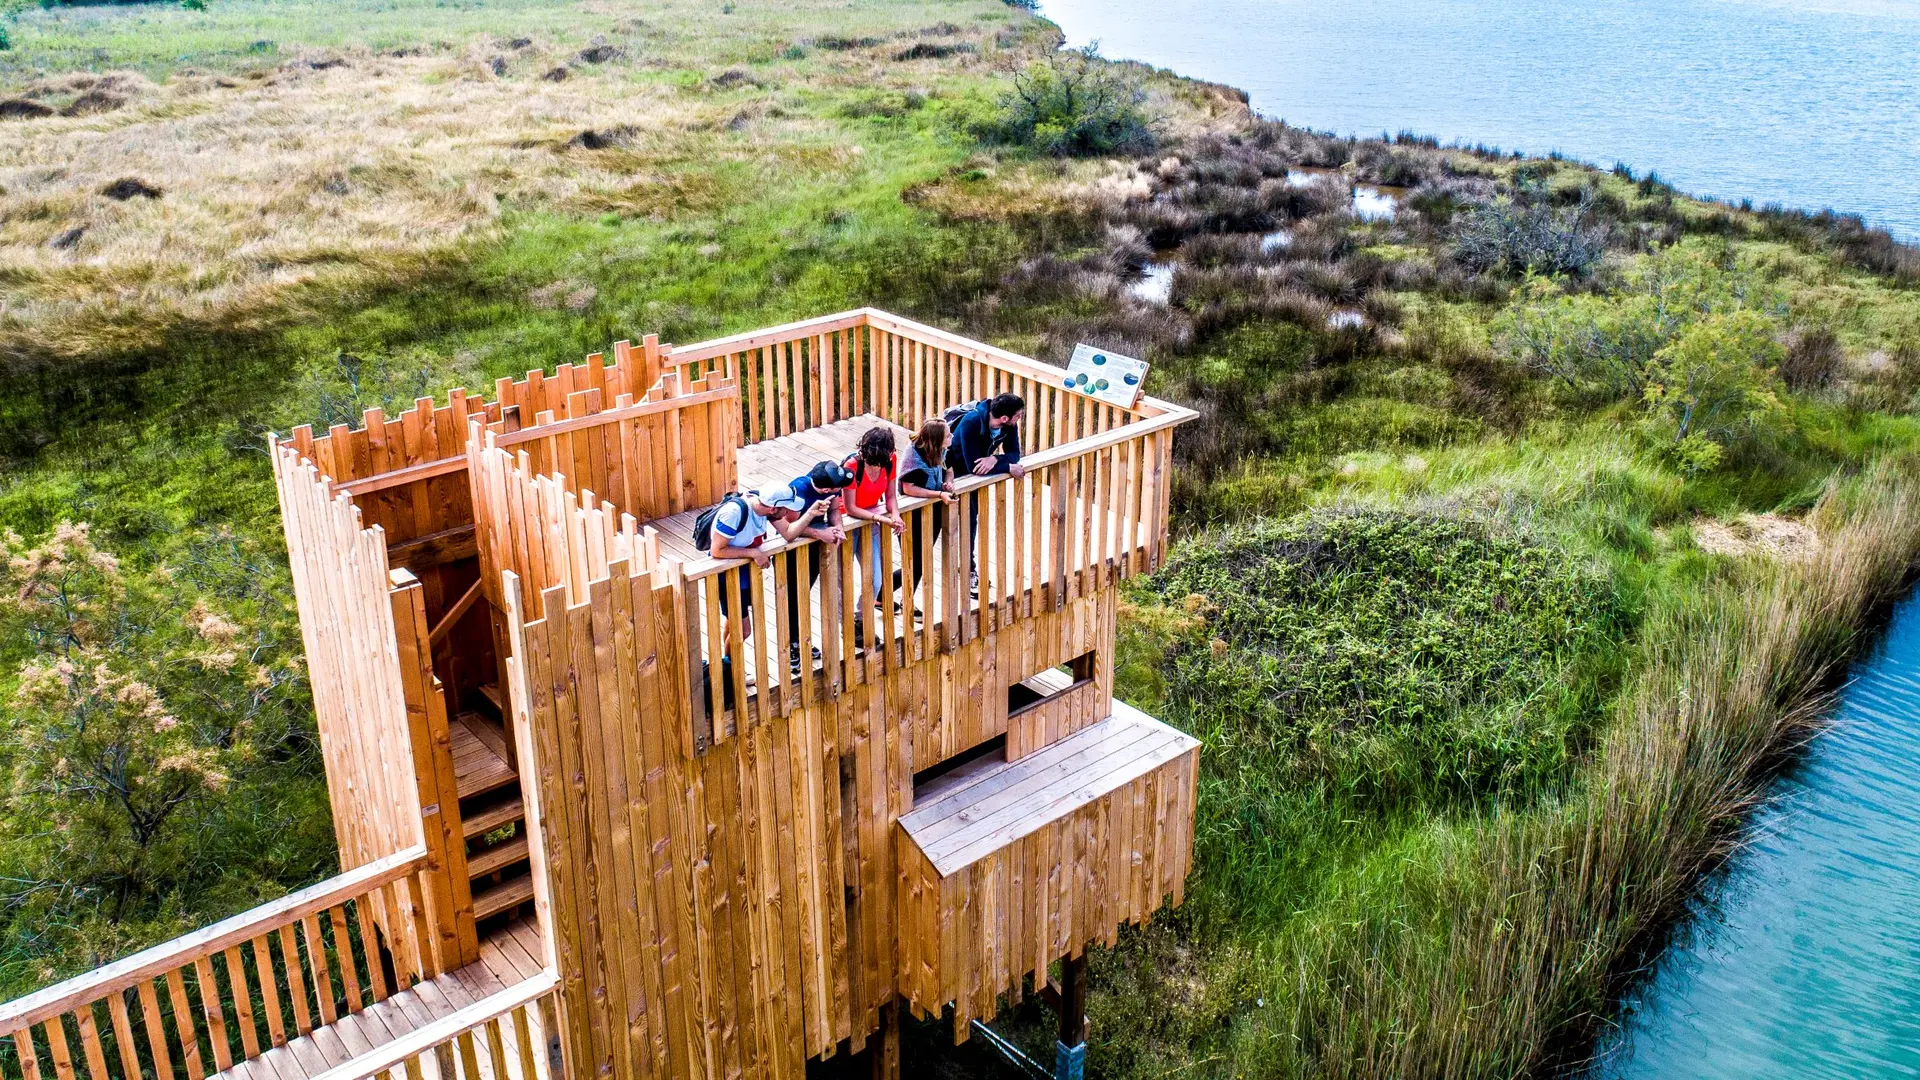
986	441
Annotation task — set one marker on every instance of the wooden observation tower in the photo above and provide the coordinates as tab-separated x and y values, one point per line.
589	828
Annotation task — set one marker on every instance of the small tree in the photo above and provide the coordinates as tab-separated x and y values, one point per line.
102	767
1074	103
1711	383
1526	235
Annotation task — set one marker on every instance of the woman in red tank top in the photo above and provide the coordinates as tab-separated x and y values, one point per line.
875	497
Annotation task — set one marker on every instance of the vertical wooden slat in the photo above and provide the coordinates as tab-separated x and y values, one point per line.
123	1035
185	1027
216	1019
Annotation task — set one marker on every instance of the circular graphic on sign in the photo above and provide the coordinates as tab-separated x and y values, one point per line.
1068	381
1081	378
1101	385
1099	358
1132	379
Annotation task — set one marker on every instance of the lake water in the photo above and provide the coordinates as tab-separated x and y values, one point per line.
1806	960
1810	103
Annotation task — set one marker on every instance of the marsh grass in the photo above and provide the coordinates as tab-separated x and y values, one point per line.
1495	942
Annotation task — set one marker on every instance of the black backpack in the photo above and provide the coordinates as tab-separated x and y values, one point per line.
703	525
955	412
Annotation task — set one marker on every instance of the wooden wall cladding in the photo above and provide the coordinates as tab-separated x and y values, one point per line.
1031	861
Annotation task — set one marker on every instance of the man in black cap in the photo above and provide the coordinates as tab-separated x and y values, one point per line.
824	482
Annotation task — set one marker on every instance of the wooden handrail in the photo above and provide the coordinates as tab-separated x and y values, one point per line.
1174	416
984	353
454	614
381	481
420	1040
458	463
753	339
610	416
81	990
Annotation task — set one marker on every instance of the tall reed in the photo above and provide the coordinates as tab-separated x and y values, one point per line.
1501	951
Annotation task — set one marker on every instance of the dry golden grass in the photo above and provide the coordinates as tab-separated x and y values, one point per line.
300	177
282	189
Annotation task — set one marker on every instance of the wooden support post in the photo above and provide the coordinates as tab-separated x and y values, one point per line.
1070	1056
885	1047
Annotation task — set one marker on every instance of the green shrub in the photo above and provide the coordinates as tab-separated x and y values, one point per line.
1403	653
144	710
1073	104
1527	235
1690	336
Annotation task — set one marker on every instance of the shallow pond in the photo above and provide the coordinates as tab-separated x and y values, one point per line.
1806	960
1155	286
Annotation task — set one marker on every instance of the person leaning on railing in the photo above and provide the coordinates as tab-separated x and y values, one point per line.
816	496
875	497
986	442
738	528
924	475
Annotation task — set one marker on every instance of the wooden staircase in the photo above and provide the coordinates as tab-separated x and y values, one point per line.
492	817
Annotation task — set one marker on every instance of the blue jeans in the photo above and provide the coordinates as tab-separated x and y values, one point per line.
875	557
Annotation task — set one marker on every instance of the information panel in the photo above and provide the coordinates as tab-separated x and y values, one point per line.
1108	376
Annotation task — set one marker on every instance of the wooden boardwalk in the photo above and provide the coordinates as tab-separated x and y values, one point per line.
508	956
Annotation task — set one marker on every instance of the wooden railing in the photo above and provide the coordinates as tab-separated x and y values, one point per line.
1085	515
921	370
226	994
819	371
499	1030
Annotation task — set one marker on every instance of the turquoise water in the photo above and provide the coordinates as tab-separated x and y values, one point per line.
1806	960
1810	103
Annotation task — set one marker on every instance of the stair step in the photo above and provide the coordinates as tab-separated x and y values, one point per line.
489	730
491	691
477	766
508	894
503	854
481	822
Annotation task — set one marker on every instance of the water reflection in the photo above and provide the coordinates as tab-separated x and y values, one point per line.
1156	286
1372	203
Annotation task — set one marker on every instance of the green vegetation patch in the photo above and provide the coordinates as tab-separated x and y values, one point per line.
1388	659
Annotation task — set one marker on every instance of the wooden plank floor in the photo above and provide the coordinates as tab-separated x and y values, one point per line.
507	957
477	767
777	461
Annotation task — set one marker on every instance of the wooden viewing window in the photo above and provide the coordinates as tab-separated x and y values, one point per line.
959	769
1036	690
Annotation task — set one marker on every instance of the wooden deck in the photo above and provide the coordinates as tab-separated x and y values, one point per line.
983	808
507	957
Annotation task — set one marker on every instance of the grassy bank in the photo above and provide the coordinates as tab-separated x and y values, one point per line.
1521	524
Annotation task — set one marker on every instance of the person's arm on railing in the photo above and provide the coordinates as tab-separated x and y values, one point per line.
893	517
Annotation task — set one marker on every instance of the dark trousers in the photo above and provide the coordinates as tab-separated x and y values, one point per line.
915	526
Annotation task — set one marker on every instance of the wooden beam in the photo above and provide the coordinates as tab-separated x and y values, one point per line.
435	549
1073	1000
452	617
